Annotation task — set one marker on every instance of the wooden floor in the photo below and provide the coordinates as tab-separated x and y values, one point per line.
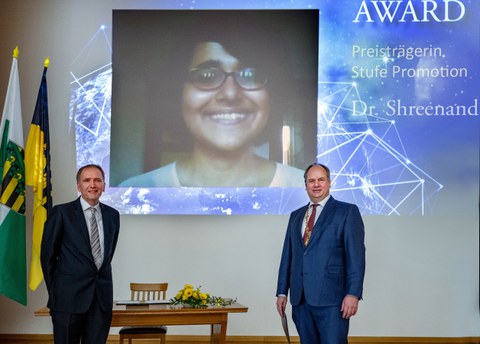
46	339
175	339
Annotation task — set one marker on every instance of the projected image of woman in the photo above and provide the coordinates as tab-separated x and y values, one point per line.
230	94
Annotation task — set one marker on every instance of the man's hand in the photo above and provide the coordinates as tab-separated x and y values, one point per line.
281	304
349	306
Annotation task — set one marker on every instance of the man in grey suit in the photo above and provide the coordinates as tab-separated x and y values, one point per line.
77	248
323	263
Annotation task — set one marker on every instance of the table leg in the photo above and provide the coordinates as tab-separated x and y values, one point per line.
218	332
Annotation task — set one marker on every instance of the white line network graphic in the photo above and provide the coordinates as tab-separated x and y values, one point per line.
364	151
366	156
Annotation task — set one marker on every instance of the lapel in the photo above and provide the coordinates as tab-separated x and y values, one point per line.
80	216
300	223
323	219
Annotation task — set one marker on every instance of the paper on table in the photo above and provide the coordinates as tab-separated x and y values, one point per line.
147	302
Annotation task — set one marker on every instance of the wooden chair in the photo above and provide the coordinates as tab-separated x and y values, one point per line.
145	292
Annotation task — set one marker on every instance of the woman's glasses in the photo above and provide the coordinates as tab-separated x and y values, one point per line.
208	79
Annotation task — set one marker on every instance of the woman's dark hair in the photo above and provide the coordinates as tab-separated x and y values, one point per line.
252	37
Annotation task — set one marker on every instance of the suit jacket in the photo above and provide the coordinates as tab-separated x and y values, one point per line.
332	265
69	270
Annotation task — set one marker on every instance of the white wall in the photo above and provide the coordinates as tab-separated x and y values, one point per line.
422	272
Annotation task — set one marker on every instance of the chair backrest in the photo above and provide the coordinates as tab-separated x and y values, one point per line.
148	291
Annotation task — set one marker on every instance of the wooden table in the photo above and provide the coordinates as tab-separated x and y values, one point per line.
216	317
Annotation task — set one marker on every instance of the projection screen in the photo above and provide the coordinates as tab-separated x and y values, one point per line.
384	93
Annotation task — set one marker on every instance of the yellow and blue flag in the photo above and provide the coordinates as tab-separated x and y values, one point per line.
38	175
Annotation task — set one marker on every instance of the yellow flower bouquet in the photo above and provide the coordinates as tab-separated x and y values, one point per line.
194	297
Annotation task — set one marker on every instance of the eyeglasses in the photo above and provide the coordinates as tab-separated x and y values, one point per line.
208	79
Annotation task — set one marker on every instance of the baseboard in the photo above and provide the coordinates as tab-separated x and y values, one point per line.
113	339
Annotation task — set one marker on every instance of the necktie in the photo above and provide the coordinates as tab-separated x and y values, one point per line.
310	223
95	239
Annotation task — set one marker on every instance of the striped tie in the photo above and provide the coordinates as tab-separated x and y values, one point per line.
95	239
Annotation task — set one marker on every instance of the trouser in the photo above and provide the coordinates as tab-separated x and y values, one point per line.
320	325
91	327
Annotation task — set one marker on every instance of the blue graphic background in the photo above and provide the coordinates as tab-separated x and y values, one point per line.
387	164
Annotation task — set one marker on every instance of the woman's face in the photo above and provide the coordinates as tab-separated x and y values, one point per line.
226	118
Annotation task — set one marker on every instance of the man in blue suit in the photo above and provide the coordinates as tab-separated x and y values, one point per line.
322	264
79	278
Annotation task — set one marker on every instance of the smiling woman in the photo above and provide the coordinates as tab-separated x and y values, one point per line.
222	87
224	118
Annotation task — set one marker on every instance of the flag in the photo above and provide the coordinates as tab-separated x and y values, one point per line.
13	265
38	175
